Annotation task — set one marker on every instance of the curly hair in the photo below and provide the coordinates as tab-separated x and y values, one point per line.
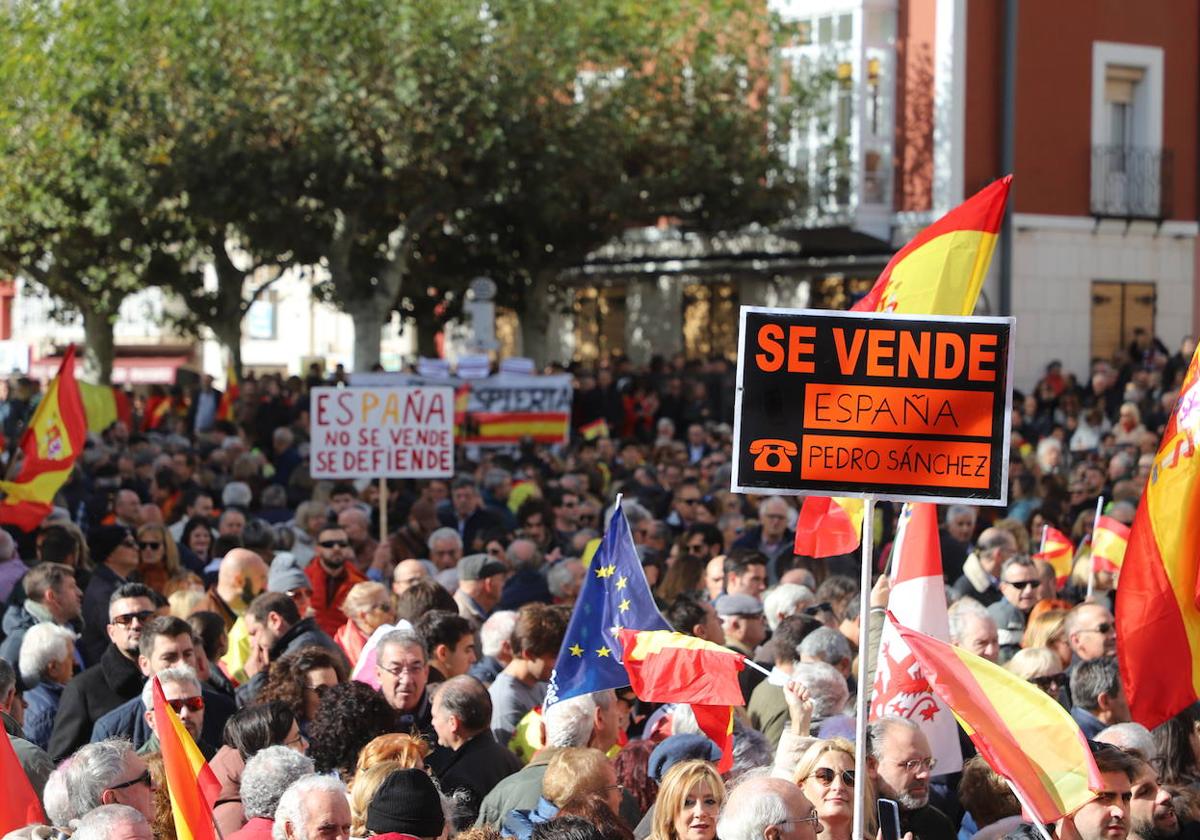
632	764
349	717
985	794
286	678
164	820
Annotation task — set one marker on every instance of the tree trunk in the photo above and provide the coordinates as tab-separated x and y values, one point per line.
369	317
229	336
535	319
227	323
427	330
99	350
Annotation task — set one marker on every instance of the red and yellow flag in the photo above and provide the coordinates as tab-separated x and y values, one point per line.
104	405
191	783
1058	551
1158	619
939	272
226	407
1023	733
828	526
49	447
669	667
1109	540
19	805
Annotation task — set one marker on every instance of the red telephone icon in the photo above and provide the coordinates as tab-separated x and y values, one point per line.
773	455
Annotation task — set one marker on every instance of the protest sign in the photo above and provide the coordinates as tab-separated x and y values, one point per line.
506	407
867	404
384	432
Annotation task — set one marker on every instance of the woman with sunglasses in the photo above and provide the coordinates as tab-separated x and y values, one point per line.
826	775
300	678
158	557
689	802
1042	667
368	605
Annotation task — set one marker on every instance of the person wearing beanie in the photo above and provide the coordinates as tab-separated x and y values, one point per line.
115	553
408	803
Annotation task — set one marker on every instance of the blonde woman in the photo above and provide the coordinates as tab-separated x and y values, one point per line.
689	802
826	775
158	557
1048	630
362	790
1042	667
367	606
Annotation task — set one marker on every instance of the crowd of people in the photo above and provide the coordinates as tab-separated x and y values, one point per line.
347	683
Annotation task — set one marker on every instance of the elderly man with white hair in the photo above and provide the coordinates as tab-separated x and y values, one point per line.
47	662
775	537
104	773
113	822
973	629
313	808
181	689
766	807
784	600
495	643
265	778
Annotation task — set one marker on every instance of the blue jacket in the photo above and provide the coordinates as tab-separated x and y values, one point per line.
41	705
129	721
520	823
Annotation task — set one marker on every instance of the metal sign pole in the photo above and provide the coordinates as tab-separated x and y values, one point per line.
864	690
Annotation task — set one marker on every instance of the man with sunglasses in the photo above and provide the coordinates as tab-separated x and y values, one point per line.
332	575
166	643
182	691
900	763
115	679
1019	584
114	771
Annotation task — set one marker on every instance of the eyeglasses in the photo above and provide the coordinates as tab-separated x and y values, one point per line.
299	740
1022	584
826	775
192	704
397	670
333	543
1103	629
1051	681
915	764
695	501
318	690
141	616
813	818
698	548
143	779
817	609
153	545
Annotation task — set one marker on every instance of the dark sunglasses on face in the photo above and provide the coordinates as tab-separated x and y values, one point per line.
151	545
333	543
192	704
1053	681
1102	629
826	775
125	620
143	779
1023	584
817	609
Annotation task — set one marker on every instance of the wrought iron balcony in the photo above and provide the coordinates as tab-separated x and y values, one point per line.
1132	182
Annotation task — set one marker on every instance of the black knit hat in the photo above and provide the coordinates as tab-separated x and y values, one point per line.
407	802
104	540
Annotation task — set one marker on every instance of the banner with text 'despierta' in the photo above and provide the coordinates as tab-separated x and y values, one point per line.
869	404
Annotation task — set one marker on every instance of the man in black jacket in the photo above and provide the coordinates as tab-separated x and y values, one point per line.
275	628
113	680
467	757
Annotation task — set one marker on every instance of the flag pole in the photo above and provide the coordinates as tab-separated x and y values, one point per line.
1092	550
1042	544
383	511
1041	829
864	610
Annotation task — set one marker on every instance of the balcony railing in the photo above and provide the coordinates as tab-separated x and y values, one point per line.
1132	182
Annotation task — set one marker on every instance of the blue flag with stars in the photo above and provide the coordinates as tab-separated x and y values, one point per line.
614	596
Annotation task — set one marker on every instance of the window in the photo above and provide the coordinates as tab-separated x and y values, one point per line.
1131	172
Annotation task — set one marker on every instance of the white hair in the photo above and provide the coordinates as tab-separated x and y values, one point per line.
93	769
56	798
179	675
103	822
238	494
569	723
960	614
785	600
291	805
443	534
268	773
826	686
560	575
1131	737
826	645
746	814
44	643
497	630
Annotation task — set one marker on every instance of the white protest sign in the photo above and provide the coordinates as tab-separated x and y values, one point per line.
382	432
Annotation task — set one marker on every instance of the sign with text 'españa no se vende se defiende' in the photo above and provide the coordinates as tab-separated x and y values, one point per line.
868	404
382	432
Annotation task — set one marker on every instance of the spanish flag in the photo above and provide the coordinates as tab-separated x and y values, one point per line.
1109	540
669	667
225	409
939	272
49	447
1158	620
1058	551
1023	733
104	405
19	805
191	783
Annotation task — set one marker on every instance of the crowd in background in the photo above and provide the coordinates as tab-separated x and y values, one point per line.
202	551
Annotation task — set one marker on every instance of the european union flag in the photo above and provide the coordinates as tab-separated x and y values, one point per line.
614	597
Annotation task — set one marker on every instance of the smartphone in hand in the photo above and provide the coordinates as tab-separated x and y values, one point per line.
889	819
